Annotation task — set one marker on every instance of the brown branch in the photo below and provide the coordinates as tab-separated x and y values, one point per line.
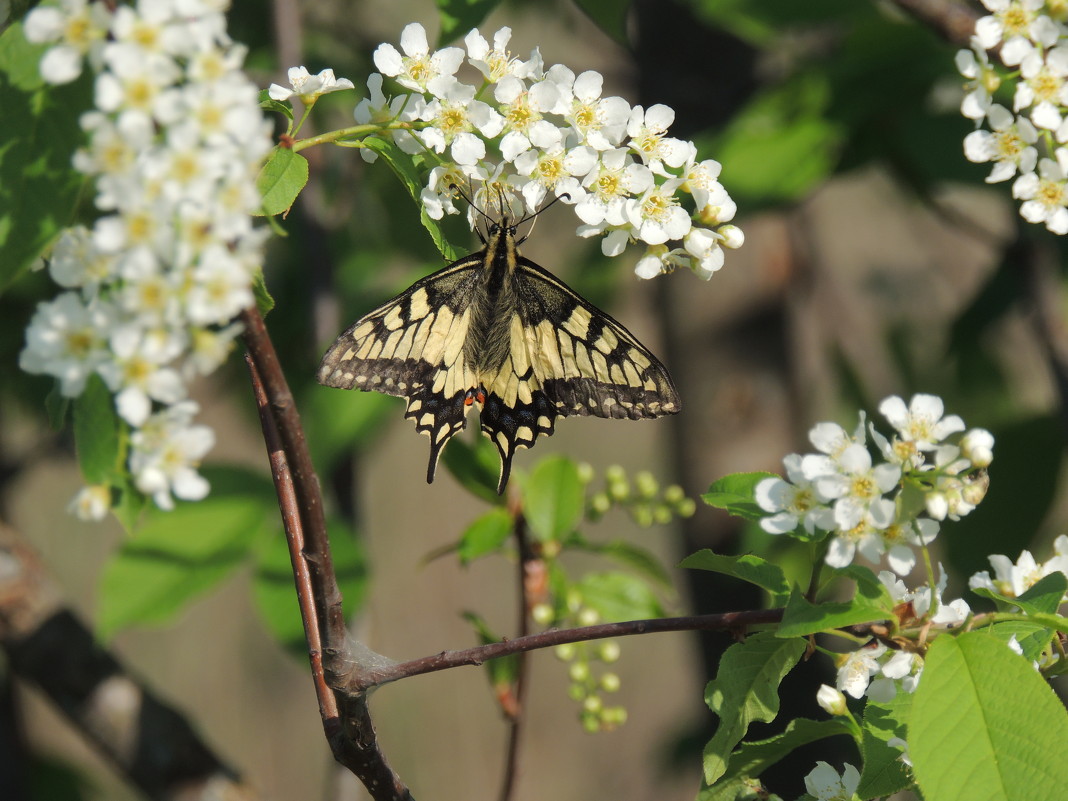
952	20
150	743
348	726
547	639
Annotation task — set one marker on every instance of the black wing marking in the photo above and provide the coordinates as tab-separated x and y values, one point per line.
567	357
414	347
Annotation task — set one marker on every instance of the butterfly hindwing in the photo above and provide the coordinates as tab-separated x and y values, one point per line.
566	357
497	331
414	347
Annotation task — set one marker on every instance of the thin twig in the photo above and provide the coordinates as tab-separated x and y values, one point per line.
288	506
526	561
349	729
476	656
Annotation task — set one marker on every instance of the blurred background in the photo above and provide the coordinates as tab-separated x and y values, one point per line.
876	262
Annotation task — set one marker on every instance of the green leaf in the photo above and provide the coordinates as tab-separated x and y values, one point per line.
486	534
626	553
1005	727
746	567
503	671
745	690
275	594
610	16
883	772
751	759
734	494
281	179
176	556
476	466
97	432
459	16
618	597
38	186
283	107
1044	596
870	602
404	168
1032	638
264	301
553	498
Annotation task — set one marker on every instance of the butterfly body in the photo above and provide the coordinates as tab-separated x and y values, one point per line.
497	331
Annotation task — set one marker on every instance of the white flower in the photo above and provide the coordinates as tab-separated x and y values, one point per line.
831	700
659	259
554	169
615	178
219	290
67	339
91	503
857	668
77	26
858	487
453	117
1011	19
792	503
647	129
1043	86
974	64
1014	579
165	453
704	246
136	373
824	783
308	87
656	217
600	122
1045	197
921	423
418	68
977	446
76	262
498	63
1010	146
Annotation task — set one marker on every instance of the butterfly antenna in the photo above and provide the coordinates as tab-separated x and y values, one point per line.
456	188
534	216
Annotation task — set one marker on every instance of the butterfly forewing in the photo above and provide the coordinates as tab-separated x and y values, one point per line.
497	331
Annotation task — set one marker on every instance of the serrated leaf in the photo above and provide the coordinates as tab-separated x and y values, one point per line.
281	179
38	185
403	167
748	568
275	594
553	498
477	467
176	556
459	16
1006	745
97	432
883	771
485	535
751	759
618	597
735	495
1044	596
745	690
1031	637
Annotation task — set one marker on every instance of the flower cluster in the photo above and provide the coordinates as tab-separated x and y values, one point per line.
1012	580
174	145
842	492
1028	142
526	132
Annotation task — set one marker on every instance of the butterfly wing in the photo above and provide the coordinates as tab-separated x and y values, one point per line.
566	357
414	347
